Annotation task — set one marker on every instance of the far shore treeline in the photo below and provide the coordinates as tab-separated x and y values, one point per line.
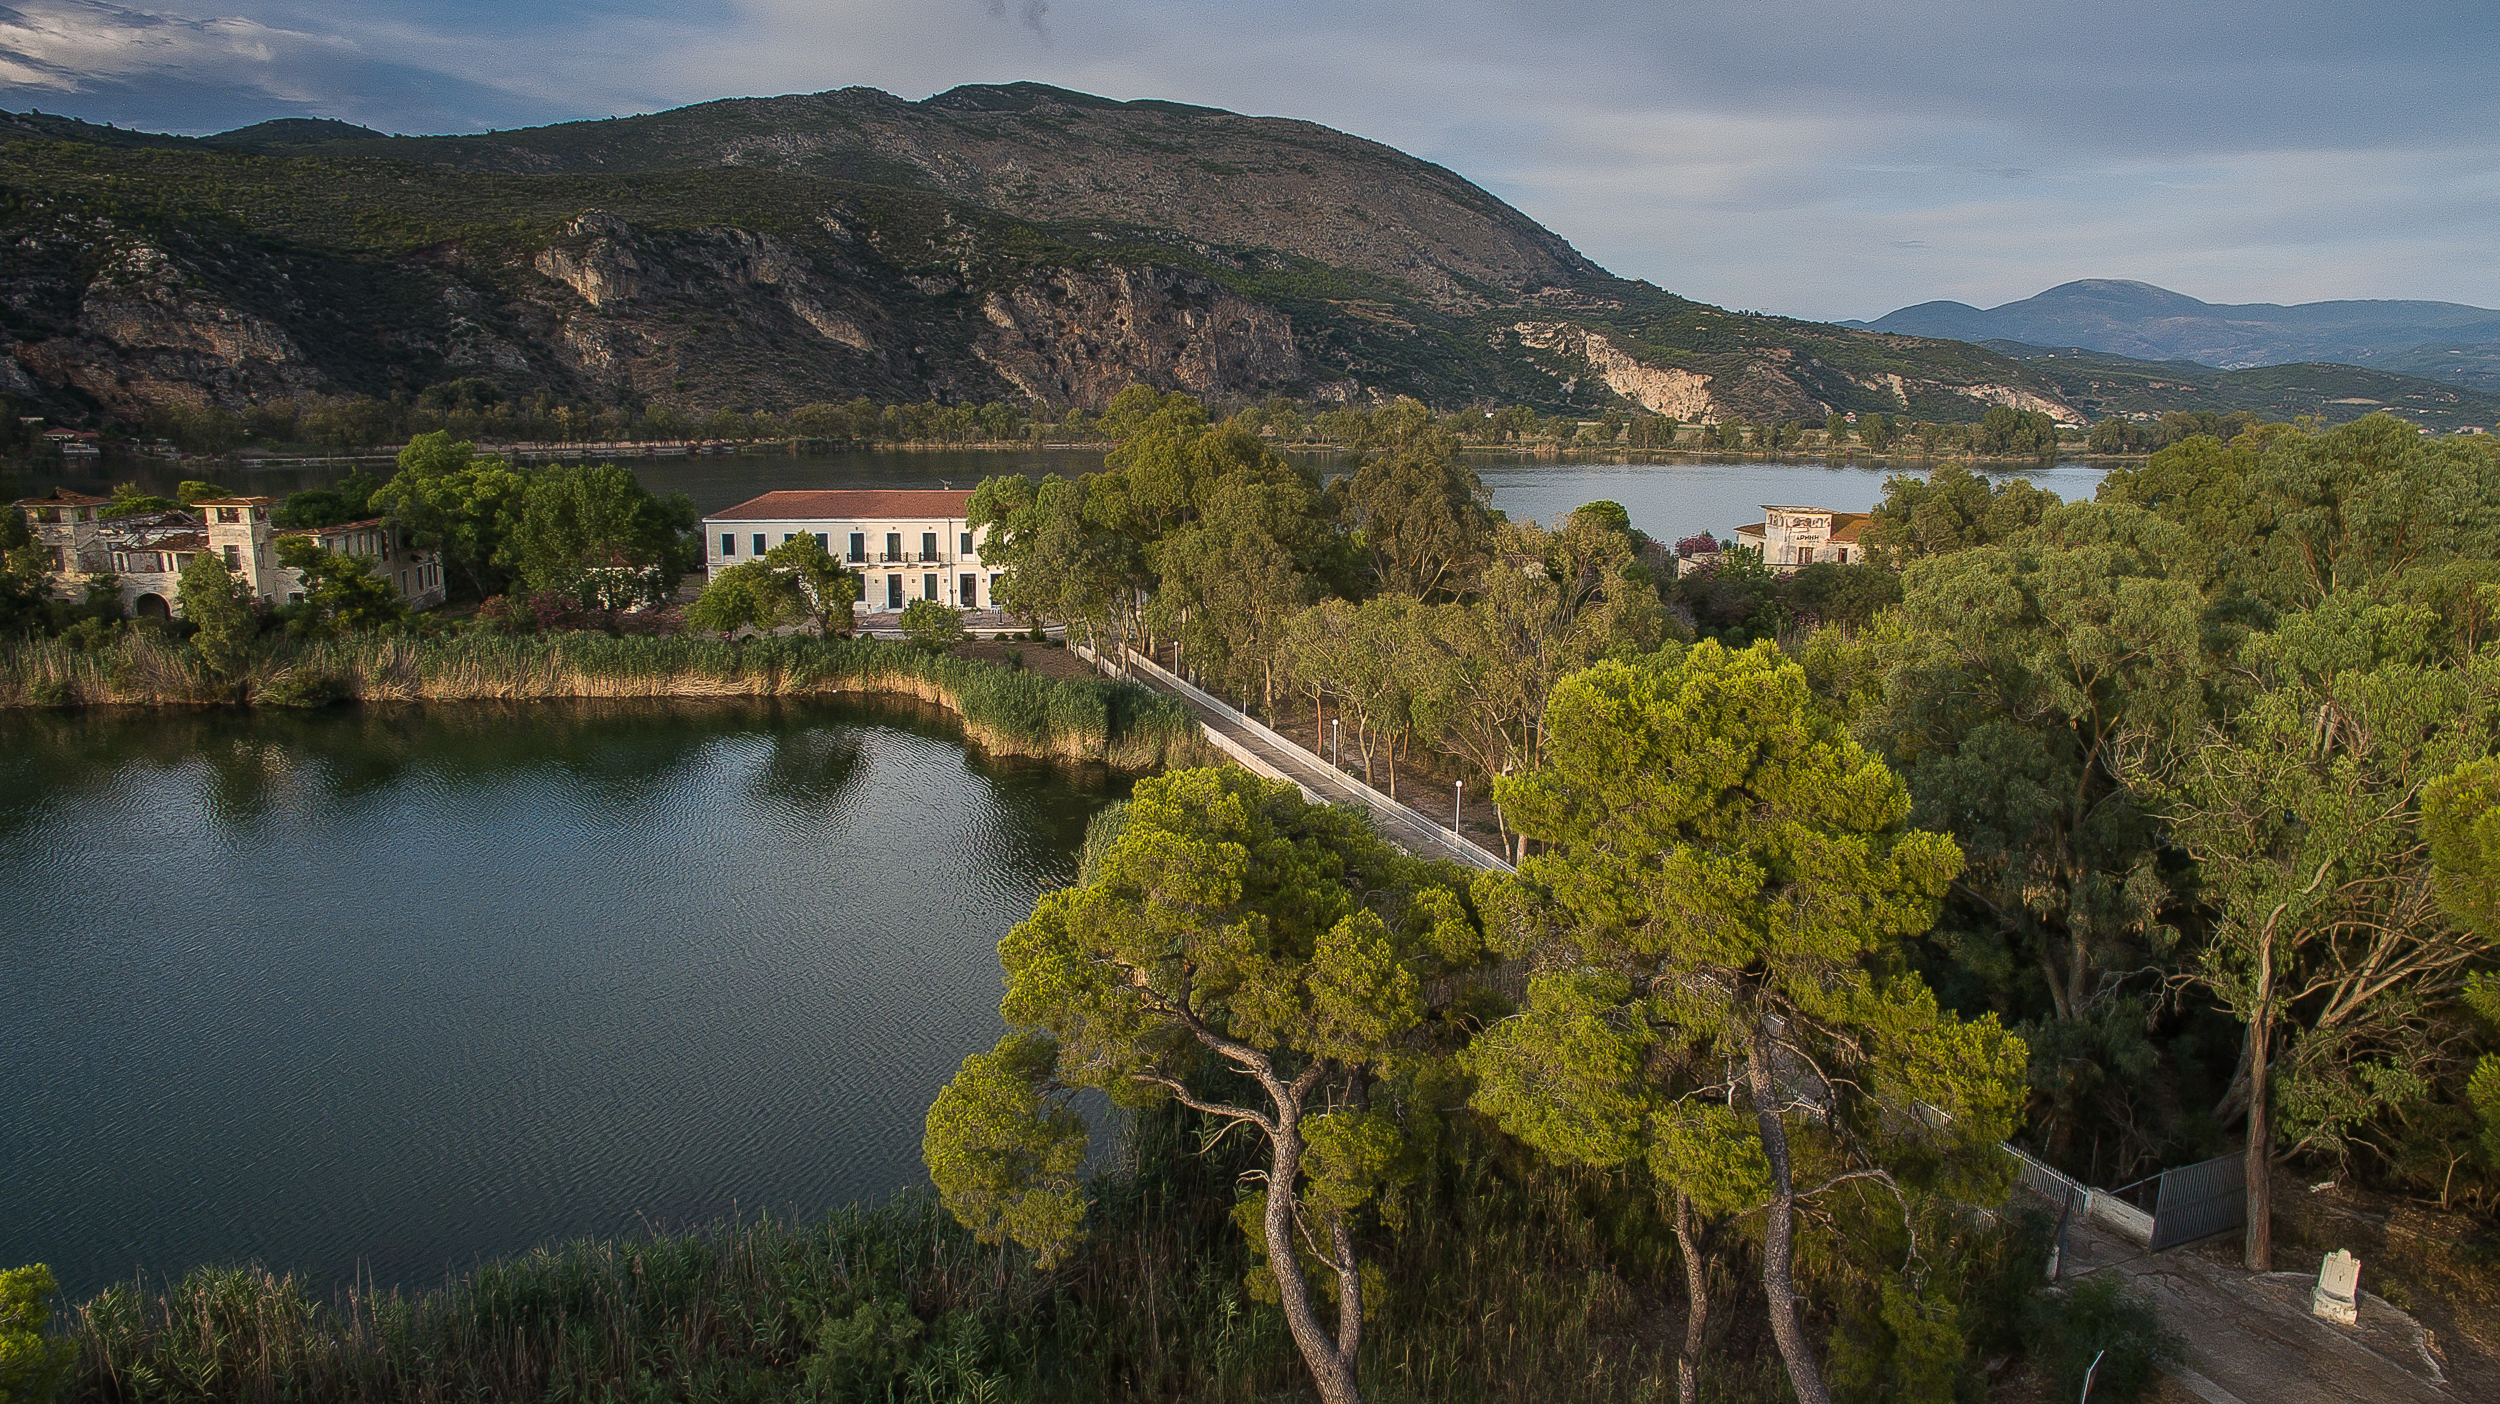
477	410
2132	831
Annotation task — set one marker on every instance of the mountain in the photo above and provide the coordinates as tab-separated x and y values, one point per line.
992	242
2099	383
2150	323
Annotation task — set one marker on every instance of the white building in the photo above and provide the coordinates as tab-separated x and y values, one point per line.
148	551
1789	537
904	544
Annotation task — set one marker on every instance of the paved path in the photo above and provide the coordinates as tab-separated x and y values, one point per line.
2251	1339
1266	753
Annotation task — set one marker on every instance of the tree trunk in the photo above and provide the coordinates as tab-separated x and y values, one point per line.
1696	1302
2258	1244
1805	1377
1331	1370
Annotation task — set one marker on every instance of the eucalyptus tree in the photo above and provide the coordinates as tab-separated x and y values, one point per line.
1420	514
1715	926
1060	560
1261	961
2303	809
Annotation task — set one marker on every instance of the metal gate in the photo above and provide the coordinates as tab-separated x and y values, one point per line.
2198	1201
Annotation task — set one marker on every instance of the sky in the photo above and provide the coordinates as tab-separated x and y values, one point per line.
1814	158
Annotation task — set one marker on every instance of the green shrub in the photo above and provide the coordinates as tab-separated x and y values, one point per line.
33	1364
2099	1318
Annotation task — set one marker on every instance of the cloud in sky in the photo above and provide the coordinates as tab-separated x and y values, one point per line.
1823	158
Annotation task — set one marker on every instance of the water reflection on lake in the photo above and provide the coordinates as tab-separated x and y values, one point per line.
401	987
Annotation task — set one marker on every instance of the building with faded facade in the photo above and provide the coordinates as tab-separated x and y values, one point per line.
148	551
1790	537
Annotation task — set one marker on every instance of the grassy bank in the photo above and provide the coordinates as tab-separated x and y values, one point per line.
1005	711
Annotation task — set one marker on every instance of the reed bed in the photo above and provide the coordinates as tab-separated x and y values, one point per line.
1503	1289
1004	710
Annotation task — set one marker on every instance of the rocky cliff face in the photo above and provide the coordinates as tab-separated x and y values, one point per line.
1013	242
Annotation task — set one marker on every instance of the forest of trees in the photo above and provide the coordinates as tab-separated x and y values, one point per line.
2133	829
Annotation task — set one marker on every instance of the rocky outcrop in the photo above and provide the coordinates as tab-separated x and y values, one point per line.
1079	338
1660	390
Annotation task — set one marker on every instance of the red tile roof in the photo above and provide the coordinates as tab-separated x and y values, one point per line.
847	504
62	497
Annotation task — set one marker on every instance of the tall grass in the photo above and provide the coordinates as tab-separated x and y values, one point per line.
1004	710
1509	1283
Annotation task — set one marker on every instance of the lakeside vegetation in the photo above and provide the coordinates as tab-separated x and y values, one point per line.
1005	711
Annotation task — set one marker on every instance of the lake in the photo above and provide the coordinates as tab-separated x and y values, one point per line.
386	989
1668	499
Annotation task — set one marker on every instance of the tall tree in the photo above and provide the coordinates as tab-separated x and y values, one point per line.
448	498
1715	922
1421	515
1260	960
218	605
594	517
2012	675
2303	810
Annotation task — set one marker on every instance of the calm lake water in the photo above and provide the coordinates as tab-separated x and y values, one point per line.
392	988
1669	500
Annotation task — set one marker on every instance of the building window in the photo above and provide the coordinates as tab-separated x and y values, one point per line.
759	543
859	547
859	588
821	543
966	548
893	546
229	514
234	557
729	543
789	536
49	516
928	586
928	545
894	592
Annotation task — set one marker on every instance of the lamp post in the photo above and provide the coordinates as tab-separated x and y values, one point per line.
1458	808
1336	742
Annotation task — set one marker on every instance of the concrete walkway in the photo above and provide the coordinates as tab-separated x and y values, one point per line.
2251	1339
1263	752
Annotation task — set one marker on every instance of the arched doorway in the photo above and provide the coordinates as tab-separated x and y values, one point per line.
153	607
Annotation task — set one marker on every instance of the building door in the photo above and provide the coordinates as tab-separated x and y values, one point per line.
894	592
970	586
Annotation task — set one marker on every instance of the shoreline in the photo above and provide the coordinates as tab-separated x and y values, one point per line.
1004	711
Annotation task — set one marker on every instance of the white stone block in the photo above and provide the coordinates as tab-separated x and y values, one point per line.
2338	1293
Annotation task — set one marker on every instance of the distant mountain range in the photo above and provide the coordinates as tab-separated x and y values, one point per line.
1012	242
2438	340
